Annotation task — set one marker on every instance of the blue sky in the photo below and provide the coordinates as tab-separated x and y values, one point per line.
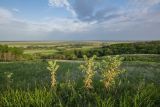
79	20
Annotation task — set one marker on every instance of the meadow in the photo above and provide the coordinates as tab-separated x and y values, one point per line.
54	47
30	86
28	83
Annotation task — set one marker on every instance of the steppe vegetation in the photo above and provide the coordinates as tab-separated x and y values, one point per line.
126	80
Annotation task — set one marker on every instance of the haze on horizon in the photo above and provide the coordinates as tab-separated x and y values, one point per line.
79	20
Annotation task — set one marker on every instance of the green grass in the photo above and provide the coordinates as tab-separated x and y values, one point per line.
40	51
30	86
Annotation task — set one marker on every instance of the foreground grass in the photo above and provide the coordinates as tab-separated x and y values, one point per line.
65	96
30	86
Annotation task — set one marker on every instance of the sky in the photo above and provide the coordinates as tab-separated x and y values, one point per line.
79	20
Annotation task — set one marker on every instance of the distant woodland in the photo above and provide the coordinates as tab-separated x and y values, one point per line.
113	49
73	53
10	53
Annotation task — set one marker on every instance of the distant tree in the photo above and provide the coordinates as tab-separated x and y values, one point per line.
10	53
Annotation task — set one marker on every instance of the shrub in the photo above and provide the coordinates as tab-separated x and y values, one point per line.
53	67
110	69
89	69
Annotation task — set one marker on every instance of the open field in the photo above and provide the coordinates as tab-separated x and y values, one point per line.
26	81
28	73
74	50
50	47
41	51
79	53
30	85
26	44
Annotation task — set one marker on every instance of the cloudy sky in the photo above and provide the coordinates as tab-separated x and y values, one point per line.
79	20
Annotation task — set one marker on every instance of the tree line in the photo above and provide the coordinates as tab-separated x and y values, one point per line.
113	49
122	48
10	53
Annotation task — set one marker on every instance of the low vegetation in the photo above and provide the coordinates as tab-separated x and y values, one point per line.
30	77
32	84
131	51
144	48
110	69
89	68
53	68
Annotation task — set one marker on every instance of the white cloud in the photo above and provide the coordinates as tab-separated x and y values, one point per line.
5	15
59	3
11	26
142	5
58	24
62	3
133	20
85	10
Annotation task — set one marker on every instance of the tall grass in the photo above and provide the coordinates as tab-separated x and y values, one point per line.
66	96
138	87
